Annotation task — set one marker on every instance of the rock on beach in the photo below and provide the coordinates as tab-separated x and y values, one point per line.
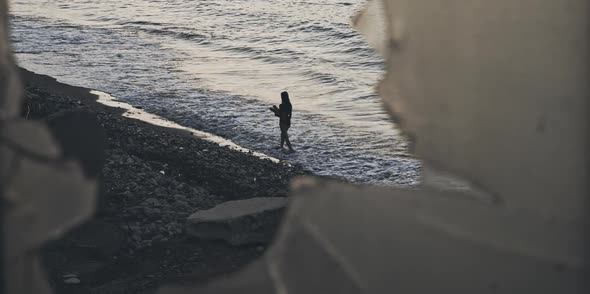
239	222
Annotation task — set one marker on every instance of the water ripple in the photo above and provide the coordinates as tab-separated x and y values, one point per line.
217	65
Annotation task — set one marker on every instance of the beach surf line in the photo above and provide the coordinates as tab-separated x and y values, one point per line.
139	114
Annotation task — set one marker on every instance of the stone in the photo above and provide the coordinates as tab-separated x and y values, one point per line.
152	202
239	222
181	205
72	281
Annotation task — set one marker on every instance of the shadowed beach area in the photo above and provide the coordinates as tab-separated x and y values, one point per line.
152	179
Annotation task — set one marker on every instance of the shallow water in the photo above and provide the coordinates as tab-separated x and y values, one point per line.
139	114
218	65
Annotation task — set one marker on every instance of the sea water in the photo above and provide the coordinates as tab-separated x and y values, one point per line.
218	65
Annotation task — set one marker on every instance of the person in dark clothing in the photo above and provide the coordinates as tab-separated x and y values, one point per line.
284	112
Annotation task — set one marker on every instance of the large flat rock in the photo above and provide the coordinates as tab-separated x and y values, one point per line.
239	222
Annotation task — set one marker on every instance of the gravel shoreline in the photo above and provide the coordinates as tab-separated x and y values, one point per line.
152	180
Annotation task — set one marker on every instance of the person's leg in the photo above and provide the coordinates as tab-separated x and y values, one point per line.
283	136
287	140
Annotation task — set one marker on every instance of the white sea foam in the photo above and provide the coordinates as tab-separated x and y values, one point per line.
139	114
